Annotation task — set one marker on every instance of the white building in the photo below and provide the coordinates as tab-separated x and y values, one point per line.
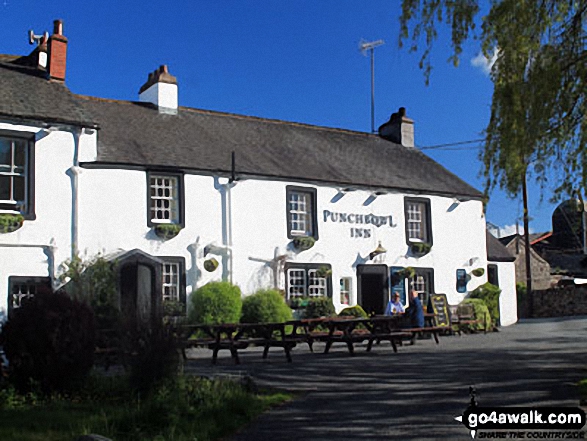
93	176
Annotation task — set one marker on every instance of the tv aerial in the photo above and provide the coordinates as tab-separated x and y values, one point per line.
364	47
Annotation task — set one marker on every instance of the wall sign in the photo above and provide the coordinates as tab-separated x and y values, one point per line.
358	219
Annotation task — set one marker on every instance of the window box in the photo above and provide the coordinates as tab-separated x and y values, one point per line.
167	231
419	249
303	243
10	222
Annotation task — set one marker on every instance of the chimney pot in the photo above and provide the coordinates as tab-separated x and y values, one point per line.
58	27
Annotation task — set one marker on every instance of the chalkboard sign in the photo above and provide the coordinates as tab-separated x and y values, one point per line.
439	306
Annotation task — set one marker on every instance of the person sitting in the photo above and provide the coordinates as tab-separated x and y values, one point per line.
415	312
394	306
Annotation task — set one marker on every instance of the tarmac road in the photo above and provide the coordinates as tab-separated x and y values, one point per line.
416	393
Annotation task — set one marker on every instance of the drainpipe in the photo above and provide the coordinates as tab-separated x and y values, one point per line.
74	173
224	185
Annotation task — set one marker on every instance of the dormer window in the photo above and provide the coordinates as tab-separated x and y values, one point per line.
16	176
165	199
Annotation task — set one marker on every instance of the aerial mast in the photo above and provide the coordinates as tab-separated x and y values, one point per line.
365	46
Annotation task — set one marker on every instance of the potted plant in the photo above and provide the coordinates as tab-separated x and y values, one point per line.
167	231
10	222
303	243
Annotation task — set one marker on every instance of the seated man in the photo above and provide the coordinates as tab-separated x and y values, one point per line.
394	306
415	311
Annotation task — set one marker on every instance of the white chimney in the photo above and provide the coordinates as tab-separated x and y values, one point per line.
160	90
399	129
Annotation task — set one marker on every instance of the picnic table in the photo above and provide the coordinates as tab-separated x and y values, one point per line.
234	337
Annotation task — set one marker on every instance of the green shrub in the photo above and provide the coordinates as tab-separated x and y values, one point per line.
353	311
490	294
265	306
49	340
319	307
215	303
481	314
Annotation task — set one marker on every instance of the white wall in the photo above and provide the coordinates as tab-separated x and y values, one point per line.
508	305
54	151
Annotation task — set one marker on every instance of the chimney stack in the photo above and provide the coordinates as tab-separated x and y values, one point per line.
160	90
399	129
57	52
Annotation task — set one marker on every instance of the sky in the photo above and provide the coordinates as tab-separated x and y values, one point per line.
295	61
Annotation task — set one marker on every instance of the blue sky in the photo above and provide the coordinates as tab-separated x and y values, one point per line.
296	61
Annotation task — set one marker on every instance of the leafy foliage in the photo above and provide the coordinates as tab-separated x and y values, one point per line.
481	314
49	340
215	303
353	311
265	306
304	243
490	295
537	123
319	307
167	231
10	222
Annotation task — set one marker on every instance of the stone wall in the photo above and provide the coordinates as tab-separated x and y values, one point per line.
559	302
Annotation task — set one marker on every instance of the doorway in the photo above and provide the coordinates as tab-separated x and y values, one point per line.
373	288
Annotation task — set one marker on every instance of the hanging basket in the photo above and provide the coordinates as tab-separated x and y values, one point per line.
303	243
210	265
167	231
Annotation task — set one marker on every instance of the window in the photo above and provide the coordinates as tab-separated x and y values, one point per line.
301	212
423	284
165	199
461	280
16	176
345	290
173	280
308	280
21	288
492	275
418	225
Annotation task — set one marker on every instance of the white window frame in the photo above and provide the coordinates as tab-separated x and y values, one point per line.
171	280
303	281
416	221
346	290
301	212
160	183
13	172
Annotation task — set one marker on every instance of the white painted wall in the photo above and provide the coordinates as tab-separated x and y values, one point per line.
163	95
54	156
508	305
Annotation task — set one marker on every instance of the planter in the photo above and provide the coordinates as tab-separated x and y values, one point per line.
478	272
324	272
167	231
420	249
10	222
303	243
210	265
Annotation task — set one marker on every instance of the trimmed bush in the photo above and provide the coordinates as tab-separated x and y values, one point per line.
353	311
49	340
215	303
265	306
481	314
490	294
319	307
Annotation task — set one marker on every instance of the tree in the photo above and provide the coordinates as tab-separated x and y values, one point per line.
538	125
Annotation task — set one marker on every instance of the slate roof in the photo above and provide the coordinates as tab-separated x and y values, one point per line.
137	134
25	93
496	251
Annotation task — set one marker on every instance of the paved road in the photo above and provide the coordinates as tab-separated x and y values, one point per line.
415	393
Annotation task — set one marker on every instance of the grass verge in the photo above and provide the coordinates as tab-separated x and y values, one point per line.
185	409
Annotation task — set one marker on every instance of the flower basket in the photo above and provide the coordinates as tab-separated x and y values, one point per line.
303	243
406	273
324	272
420	248
478	272
10	222
210	265
167	231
